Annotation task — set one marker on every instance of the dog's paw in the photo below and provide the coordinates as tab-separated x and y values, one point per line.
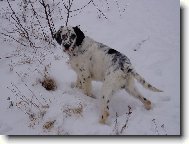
148	105
88	94
74	85
103	119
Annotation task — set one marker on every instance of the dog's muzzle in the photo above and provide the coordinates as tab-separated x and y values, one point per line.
66	46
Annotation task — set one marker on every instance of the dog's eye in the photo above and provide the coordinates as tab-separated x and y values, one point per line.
72	36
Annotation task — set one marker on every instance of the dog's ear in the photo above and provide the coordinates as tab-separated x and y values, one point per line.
80	35
57	36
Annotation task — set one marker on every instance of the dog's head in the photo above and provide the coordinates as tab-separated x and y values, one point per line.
69	37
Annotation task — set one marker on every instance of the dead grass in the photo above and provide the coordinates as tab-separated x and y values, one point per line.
49	125
49	84
69	111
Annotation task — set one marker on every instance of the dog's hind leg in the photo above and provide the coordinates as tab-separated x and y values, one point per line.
104	102
132	90
78	83
111	84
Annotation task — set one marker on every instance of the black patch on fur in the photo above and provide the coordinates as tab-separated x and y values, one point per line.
112	51
129	70
107	107
58	38
118	59
108	101
149	86
81	69
80	35
123	86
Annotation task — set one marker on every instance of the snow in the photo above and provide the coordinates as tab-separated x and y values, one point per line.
147	31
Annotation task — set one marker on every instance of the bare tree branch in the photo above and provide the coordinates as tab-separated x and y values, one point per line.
99	10
23	30
127	120
68	8
46	7
13	38
82	7
17	20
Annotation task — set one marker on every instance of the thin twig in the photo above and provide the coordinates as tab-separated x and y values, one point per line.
156	127
127	120
68	8
81	7
13	38
47	16
21	27
17	19
36	15
116	125
99	10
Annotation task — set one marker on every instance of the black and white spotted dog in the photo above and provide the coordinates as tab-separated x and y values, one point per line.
92	60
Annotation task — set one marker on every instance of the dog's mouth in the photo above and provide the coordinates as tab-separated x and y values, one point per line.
68	50
66	47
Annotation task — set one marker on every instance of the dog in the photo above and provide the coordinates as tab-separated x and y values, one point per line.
92	60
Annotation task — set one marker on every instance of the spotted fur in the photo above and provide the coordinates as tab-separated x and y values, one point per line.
92	60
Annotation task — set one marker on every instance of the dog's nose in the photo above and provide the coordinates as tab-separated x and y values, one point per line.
66	46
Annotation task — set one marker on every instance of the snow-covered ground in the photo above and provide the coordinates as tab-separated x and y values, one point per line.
147	31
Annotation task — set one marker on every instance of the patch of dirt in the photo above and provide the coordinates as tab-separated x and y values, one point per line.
49	84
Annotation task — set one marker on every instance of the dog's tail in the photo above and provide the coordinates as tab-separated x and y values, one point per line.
143	82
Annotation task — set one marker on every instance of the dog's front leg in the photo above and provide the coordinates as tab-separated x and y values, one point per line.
85	81
78	83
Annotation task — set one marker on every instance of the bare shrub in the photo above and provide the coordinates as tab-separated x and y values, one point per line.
33	106
47	82
124	127
157	128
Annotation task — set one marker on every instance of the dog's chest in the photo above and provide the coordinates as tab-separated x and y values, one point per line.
89	64
76	63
